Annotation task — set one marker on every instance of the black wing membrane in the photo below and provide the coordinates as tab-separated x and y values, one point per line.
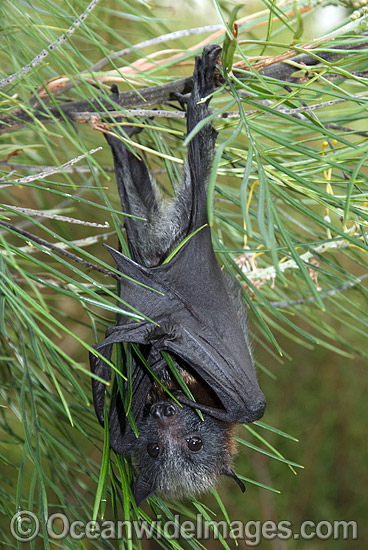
197	314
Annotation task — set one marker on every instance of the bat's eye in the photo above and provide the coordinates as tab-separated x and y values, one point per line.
195	444
153	449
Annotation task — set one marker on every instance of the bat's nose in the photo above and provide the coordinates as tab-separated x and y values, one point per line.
161	410
257	408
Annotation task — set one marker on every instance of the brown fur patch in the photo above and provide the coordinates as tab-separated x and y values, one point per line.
231	445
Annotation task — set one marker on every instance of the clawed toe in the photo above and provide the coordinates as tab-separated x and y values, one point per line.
205	68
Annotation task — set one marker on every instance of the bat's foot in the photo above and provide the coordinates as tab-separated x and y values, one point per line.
182	99
115	92
127	130
204	72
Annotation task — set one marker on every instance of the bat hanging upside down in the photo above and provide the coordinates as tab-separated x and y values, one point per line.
198	318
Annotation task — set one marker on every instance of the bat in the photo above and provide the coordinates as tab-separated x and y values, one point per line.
192	312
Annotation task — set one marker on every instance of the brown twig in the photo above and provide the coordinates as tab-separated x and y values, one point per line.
279	70
146	96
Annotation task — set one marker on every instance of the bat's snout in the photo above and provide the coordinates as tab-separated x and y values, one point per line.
162	411
256	408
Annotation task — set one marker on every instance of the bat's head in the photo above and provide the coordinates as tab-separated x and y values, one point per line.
178	454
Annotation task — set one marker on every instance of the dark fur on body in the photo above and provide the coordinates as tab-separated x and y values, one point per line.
177	453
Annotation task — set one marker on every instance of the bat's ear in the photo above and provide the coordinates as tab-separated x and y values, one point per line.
230	473
142	489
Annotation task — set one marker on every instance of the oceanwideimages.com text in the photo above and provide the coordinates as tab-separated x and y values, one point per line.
25	526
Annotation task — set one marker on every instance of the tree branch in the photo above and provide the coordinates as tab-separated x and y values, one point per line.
281	70
326	294
51	47
58	249
284	69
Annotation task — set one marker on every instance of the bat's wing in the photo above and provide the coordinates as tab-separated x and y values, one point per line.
121	433
209	327
197	318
